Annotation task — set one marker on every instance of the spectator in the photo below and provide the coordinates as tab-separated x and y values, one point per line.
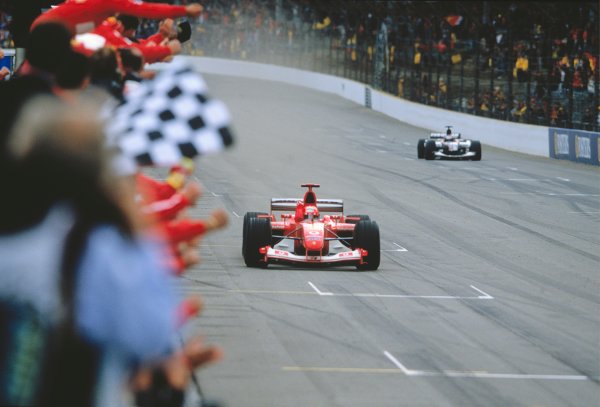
58	149
74	74
518	112
81	18
47	50
521	69
589	117
554	115
130	25
92	262
4	71
105	72
578	83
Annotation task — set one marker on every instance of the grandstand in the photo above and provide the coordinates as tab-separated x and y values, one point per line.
520	61
528	61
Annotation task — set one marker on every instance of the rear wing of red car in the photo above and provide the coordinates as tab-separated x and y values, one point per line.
324	205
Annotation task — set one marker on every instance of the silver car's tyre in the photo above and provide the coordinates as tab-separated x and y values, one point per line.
476	147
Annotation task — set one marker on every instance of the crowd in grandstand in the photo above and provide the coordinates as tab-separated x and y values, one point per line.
537	54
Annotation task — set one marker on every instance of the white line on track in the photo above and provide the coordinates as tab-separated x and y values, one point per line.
399	249
235	214
215	195
317	290
563	179
406	143
512	168
542	193
220	245
402	249
483	296
479	374
523	179
397	363
557	194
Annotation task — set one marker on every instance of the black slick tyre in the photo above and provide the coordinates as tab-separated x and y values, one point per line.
421	148
257	234
247	218
476	147
366	236
430	150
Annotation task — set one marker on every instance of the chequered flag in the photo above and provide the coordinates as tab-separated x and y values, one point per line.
168	118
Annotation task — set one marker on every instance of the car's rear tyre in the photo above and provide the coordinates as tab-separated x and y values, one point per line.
421	148
258	234
355	221
366	236
430	150
476	147
247	218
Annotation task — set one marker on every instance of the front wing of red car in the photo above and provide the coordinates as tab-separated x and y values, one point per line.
354	257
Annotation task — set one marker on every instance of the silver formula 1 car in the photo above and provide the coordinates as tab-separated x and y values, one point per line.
310	231
448	145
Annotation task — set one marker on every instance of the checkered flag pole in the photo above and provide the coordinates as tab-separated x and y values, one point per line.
168	118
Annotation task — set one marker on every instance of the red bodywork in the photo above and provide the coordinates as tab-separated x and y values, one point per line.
312	234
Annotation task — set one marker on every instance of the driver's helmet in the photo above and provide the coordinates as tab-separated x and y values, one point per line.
449	132
311	213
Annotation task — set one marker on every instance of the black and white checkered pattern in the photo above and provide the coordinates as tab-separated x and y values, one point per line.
168	118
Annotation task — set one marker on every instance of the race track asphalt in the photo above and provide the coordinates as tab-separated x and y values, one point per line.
488	293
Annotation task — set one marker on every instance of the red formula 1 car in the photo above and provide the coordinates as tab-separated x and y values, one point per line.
303	236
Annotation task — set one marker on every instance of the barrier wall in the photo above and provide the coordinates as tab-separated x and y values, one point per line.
574	145
518	137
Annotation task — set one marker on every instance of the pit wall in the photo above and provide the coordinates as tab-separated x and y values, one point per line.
524	138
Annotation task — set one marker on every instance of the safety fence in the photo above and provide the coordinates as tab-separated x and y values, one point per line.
468	78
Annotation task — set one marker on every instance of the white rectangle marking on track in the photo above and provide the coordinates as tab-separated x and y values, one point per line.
563	179
235	214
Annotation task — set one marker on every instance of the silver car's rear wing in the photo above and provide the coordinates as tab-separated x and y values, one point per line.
324	205
443	135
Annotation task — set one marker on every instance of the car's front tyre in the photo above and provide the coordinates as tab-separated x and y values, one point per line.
421	148
258	234
366	236
430	150
476	147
